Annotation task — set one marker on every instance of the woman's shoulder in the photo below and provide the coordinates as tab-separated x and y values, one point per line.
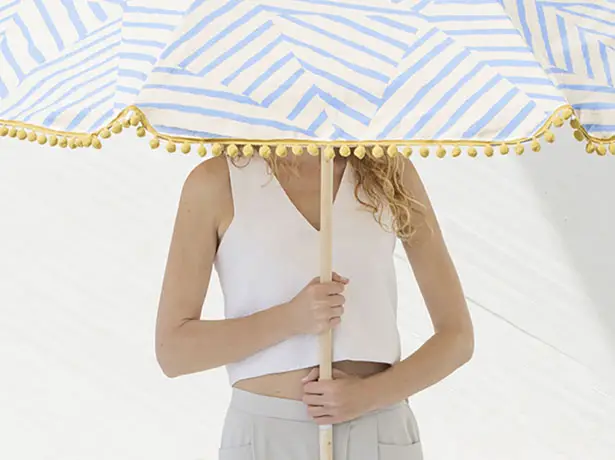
208	183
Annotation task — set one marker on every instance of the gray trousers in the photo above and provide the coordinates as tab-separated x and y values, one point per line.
266	428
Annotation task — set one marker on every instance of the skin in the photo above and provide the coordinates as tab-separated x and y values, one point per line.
186	344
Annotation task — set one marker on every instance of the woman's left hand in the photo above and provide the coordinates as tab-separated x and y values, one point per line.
335	401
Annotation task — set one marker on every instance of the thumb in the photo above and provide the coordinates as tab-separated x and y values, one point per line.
312	375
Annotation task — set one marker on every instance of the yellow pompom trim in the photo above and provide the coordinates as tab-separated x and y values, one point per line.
407	152
472	152
248	150
377	152
171	147
535	145
232	151
456	151
154	143
202	151
313	150
488	151
297	150
329	153
360	152
440	152
264	151
281	151
217	150
186	147
424	151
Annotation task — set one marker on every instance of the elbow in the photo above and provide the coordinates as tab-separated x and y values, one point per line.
465	345
166	360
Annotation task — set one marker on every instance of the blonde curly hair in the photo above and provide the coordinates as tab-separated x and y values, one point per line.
381	181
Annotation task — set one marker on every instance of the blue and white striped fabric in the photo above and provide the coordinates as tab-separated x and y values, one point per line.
310	69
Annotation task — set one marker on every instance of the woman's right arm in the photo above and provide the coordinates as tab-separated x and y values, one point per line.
185	344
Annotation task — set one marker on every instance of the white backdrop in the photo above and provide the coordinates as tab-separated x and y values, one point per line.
84	237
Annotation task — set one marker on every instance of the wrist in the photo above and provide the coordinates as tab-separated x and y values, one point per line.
284	318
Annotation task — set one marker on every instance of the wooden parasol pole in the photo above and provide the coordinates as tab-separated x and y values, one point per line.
326	275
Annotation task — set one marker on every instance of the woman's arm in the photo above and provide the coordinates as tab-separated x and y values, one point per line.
452	344
184	343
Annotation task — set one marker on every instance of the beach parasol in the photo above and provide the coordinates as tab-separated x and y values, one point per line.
363	78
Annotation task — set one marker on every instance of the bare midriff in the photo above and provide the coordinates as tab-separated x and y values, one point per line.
288	385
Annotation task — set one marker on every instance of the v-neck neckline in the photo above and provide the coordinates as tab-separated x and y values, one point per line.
293	206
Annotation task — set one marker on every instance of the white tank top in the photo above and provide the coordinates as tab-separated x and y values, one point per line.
270	252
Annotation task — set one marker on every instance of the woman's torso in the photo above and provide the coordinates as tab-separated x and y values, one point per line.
302	199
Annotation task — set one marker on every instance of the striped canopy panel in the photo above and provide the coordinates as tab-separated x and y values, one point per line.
310	69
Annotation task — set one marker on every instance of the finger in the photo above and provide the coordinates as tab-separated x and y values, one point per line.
313	400
317	411
336	312
326	420
316	388
331	288
339	278
336	300
312	375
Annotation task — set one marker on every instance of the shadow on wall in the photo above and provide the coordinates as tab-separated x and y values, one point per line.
583	213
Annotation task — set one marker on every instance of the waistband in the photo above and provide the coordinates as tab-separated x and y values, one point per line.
289	409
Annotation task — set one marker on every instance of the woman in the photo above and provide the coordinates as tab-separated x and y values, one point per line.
257	221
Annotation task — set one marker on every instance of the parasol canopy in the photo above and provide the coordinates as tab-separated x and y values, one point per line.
375	76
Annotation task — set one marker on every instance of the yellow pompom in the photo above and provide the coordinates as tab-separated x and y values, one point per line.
313	150
440	151
217	150
345	151
87	141
171	147
42	139
13	132
612	148
186	147
578	135
297	150
105	134
96	143
424	151
232	151
377	151
3	131
117	127
535	145
456	151
135	119
407	152
519	149
472	152
154	143
575	123
264	151
360	152
329	152
601	149
53	140
202	150
21	134
567	113
141	131
549	136
557	121
32	136
392	150
247	151
126	123
281	151
590	148
79	142
72	143
504	149
63	143
488	150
